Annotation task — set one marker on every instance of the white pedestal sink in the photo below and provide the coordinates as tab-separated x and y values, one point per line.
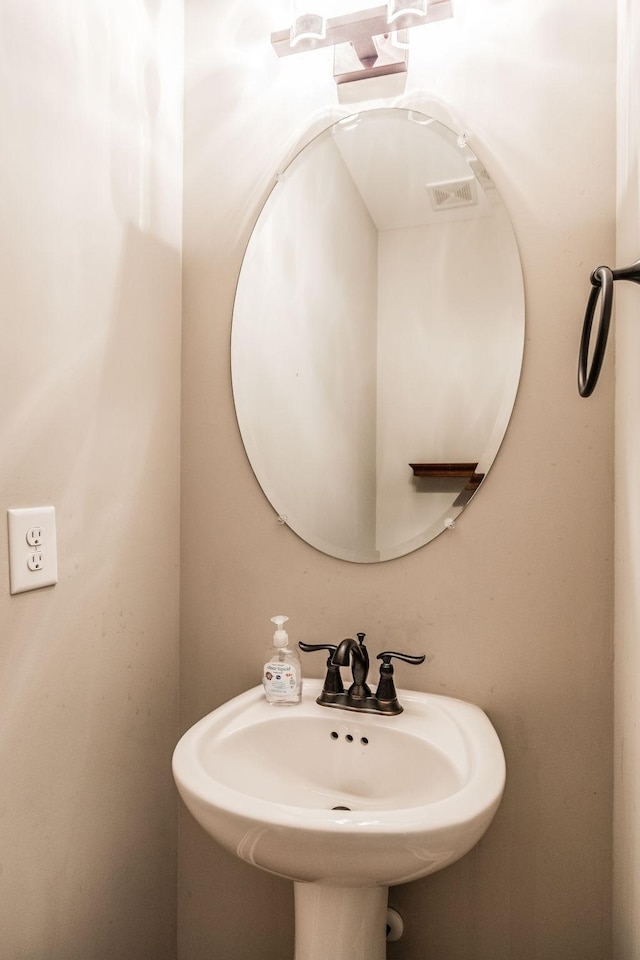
345	804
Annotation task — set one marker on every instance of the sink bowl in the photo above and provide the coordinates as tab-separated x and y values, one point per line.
336	799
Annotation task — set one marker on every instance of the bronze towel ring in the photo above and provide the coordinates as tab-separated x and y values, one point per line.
602	280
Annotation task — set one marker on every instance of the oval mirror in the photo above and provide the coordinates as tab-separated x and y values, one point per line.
377	335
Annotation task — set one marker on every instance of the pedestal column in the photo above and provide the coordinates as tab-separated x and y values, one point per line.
340	923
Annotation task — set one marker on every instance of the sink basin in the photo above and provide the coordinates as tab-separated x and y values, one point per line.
336	799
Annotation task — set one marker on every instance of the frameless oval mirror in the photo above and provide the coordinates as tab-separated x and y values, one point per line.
377	335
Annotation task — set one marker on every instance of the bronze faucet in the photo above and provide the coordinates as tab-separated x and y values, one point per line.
359	697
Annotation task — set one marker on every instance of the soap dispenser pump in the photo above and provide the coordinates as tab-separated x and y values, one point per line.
282	675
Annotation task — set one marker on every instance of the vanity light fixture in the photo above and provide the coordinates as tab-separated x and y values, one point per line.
370	43
308	26
404	8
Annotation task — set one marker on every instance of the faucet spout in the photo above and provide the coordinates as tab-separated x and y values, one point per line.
342	655
354	652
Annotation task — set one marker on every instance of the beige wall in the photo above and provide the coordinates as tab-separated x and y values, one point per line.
514	606
90	234
627	609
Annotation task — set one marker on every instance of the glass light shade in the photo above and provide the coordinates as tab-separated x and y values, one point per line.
308	26
406	8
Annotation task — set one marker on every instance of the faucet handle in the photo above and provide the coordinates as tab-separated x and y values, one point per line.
333	679
407	657
386	692
311	647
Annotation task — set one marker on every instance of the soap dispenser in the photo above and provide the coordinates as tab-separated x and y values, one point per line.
282	675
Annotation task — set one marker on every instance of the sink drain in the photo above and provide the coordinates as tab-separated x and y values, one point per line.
341	808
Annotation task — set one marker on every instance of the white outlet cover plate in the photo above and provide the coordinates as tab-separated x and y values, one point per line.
20	522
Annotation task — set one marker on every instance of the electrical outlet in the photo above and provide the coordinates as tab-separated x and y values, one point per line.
35	561
33	554
35	536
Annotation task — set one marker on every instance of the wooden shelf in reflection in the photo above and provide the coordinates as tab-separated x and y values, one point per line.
451	471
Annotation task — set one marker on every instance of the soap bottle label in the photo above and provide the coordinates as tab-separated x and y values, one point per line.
279	679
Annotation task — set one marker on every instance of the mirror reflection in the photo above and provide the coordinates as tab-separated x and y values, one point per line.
377	335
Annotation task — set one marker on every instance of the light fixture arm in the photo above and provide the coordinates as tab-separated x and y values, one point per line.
357	28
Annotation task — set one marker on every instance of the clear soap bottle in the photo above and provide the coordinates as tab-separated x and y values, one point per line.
282	676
